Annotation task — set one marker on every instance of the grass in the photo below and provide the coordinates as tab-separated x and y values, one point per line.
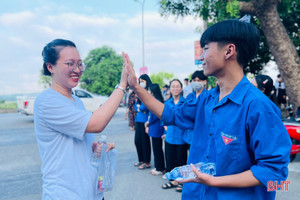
8	105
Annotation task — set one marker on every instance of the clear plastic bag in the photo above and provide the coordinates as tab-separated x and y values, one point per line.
105	168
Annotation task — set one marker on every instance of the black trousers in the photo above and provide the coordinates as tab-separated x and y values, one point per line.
142	143
176	155
159	160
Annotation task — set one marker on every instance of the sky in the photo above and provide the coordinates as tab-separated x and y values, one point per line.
26	26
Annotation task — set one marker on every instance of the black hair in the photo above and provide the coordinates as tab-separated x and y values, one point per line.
148	82
168	90
147	79
265	84
155	89
186	79
179	83
200	75
166	86
243	35
51	52
175	80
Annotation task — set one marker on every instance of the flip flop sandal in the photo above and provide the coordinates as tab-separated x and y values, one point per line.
137	164
144	166
168	185
179	187
152	170
157	172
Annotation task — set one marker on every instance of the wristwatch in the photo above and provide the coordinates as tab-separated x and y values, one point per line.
119	87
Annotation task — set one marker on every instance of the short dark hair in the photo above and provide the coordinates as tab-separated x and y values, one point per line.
243	35
200	75
166	86
51	52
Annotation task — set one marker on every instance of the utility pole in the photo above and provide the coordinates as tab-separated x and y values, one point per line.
143	47
142	2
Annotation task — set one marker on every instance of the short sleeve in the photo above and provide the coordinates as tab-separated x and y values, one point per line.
69	118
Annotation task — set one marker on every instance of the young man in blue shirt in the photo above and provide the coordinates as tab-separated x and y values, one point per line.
235	125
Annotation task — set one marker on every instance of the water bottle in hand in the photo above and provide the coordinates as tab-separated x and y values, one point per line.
185	172
96	155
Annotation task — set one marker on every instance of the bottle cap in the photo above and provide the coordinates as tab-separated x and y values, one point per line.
103	138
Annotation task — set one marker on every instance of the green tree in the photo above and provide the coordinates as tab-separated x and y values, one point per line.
103	72
278	20
44	81
161	78
211	82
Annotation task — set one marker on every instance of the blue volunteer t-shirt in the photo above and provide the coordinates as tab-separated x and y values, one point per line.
243	131
65	148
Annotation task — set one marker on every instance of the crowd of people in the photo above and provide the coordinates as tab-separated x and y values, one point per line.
229	125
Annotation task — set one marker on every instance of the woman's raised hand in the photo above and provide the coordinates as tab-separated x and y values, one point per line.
124	76
130	71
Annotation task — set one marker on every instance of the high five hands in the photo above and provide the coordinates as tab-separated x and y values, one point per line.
131	78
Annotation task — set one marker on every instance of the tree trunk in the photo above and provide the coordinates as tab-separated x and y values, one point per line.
281	46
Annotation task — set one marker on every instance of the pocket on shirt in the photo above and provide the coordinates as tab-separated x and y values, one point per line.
228	145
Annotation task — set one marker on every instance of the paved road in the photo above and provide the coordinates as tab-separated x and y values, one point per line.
20	176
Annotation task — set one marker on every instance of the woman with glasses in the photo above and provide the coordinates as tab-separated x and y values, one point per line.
64	128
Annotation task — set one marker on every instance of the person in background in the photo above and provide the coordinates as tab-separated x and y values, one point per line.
141	138
265	84
130	110
164	90
235	125
64	128
199	82
155	131
280	93
298	114
167	94
175	147
187	88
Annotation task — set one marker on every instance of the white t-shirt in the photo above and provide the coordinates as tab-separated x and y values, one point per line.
64	147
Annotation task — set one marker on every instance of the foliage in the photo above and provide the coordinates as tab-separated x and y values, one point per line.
103	72
289	12
213	11
211	82
44	81
161	78
8	105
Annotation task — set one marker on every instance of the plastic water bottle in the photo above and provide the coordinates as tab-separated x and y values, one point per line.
185	172
96	156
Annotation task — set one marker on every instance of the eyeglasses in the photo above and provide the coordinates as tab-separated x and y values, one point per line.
72	66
